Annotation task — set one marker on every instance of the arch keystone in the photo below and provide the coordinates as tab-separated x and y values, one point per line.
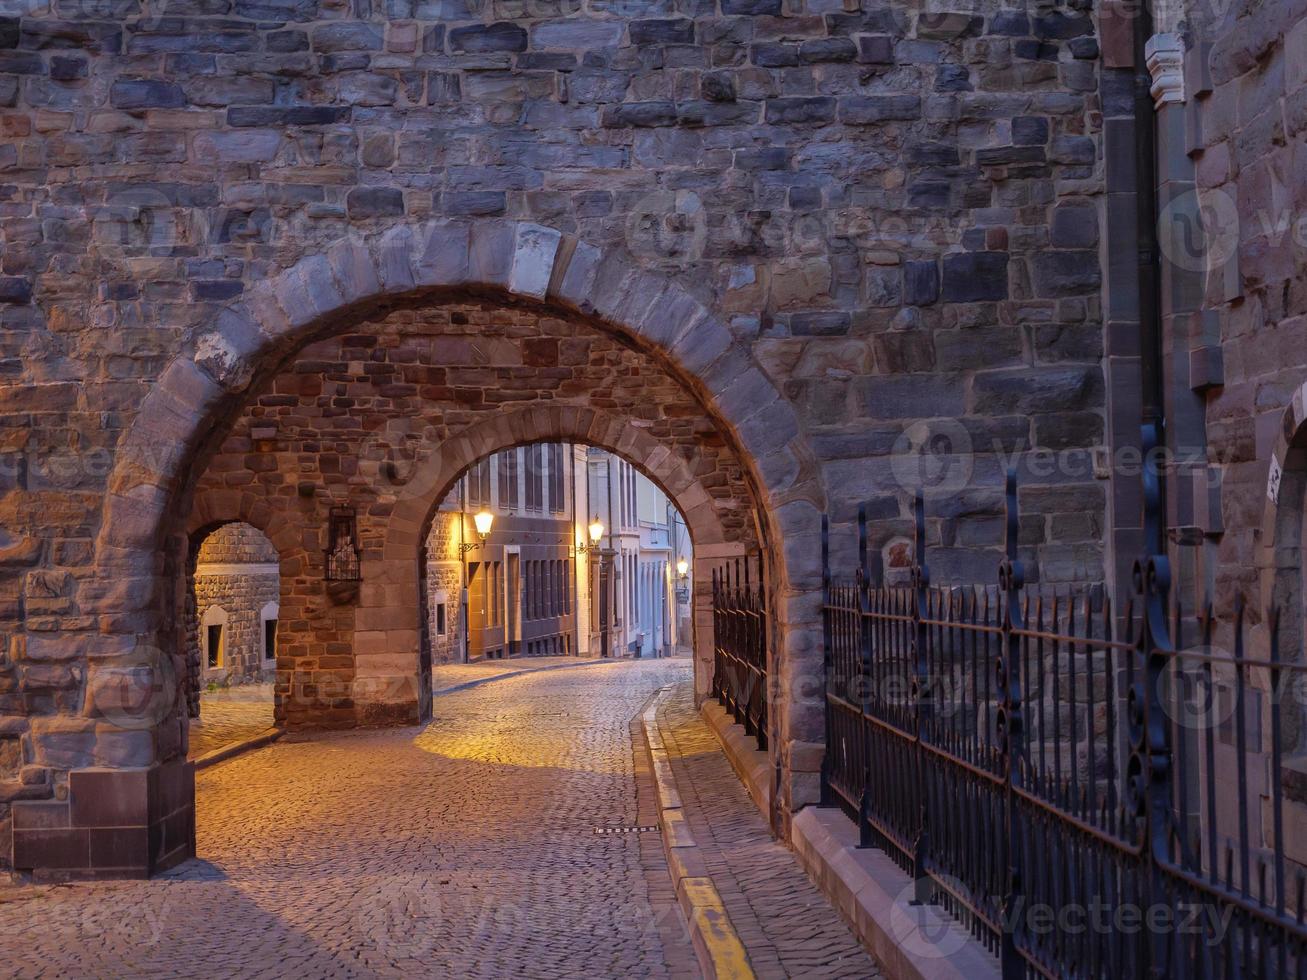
534	252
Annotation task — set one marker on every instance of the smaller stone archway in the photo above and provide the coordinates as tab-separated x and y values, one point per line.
230	564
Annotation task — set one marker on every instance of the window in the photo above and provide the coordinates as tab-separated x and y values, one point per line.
214	647
621	492
508	467
557	485
528	584
478	483
535	590
494	593
442	623
630	492
535	477
269	639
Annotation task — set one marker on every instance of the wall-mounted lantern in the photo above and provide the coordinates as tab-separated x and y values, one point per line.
596	530
484	521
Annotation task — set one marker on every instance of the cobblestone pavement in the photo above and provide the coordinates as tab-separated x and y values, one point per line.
464	849
236	713
230	715
785	923
449	675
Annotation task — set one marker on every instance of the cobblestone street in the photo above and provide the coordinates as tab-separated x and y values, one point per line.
467	849
229	716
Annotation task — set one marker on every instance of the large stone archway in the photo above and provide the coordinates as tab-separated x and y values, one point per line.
187	413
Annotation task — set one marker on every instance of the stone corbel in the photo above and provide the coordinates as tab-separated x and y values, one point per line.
1165	53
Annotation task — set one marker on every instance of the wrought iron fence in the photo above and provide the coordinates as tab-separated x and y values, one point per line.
1092	792
740	646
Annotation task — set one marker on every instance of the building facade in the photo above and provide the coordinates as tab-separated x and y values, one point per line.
644	538
516	591
539	584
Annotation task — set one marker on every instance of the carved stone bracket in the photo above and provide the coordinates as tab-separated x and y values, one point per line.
1165	54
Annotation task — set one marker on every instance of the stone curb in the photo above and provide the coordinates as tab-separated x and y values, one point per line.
872	894
465	685
233	749
718	947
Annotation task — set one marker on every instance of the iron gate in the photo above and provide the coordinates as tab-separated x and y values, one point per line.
740	646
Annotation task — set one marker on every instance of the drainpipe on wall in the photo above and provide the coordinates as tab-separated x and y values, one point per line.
1149	259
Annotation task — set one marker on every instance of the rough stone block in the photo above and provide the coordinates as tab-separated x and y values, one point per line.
678	31
146	93
502	36
356	36
973	277
920	282
867	110
816	110
375	202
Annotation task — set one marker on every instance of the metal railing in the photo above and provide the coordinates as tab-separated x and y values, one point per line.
1088	794
740	646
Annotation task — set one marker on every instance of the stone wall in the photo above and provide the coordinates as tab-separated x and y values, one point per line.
875	219
890	206
445	584
236	544
242	593
1246	87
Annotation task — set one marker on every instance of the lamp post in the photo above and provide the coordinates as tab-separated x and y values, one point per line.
599	580
483	521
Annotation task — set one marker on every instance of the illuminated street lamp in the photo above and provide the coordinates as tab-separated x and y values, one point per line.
483	520
682	566
596	534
